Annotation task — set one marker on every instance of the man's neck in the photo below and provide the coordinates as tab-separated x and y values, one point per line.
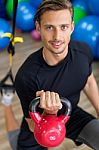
53	59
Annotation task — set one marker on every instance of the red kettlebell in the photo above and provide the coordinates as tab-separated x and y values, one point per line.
49	130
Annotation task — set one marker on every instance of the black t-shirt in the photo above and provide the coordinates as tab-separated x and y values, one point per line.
67	78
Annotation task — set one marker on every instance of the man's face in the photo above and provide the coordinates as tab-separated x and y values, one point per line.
55	29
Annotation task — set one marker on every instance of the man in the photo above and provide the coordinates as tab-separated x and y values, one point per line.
61	68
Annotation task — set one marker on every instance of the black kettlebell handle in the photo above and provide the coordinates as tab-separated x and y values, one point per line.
35	102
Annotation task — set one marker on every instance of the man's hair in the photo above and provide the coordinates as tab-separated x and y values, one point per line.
54	5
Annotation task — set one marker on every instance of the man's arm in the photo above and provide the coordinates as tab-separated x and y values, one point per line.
30	124
92	92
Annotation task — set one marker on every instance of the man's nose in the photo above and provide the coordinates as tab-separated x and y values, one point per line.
56	34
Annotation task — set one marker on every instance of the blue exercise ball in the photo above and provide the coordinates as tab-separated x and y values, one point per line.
2	9
4	28
87	30
36	3
80	4
25	17
97	50
93	6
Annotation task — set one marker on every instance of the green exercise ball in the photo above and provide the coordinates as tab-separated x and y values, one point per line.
9	7
79	14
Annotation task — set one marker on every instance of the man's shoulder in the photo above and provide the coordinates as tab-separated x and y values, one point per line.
81	48
31	64
35	56
33	59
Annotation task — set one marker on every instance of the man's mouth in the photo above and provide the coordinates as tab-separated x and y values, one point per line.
56	44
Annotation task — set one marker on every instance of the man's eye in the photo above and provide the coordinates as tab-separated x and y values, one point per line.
49	28
63	27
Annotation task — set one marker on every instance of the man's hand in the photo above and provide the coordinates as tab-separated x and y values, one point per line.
49	101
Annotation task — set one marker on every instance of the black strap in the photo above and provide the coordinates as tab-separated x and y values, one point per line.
8	75
11	48
4	85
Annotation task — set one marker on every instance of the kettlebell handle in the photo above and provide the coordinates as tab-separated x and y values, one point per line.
35	102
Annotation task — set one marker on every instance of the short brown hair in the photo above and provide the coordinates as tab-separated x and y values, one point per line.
54	5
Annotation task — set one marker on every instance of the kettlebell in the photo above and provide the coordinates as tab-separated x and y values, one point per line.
49	130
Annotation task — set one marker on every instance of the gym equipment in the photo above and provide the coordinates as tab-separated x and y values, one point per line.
36	3
9	7
3	85
93	6
2	9
25	16
97	51
87	30
35	35
4	27
79	13
82	4
49	130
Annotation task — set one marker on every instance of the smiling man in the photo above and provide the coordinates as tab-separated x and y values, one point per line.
55	32
61	68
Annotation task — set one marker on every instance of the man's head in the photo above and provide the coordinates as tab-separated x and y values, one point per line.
54	22
55	5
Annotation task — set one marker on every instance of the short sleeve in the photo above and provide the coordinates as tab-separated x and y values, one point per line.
25	90
88	52
85	49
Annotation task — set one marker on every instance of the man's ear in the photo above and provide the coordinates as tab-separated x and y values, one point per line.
37	26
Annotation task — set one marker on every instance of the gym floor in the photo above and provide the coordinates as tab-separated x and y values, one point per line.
22	52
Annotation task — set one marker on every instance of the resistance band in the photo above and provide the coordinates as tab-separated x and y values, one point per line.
11	51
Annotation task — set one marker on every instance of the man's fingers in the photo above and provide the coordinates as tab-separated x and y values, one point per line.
48	99
58	101
53	99
38	93
42	100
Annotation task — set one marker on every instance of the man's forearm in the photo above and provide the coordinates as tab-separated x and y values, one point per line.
92	92
30	124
